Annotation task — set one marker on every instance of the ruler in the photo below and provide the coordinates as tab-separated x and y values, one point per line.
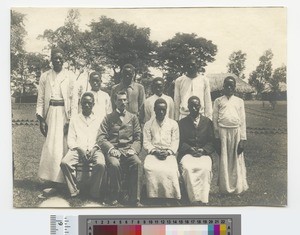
145	224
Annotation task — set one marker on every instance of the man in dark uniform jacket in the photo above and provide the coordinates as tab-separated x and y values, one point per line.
119	138
196	146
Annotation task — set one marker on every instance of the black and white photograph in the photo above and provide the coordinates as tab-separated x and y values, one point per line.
149	107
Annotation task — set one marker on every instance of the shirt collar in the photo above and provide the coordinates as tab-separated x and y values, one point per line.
119	112
131	85
156	96
88	117
163	122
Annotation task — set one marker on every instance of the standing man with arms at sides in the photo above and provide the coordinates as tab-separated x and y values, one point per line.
56	102
102	105
196	146
119	137
135	92
230	130
82	148
161	141
192	84
158	88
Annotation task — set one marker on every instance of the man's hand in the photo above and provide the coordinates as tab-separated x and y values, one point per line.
164	153
93	151
241	146
115	153
155	152
131	152
43	127
82	155
66	128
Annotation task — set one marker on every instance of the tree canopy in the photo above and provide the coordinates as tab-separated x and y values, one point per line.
263	72
236	63
69	38
121	43
172	54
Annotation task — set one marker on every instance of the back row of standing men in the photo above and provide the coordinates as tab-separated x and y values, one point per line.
106	131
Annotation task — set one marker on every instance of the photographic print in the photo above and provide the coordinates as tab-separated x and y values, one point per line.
149	107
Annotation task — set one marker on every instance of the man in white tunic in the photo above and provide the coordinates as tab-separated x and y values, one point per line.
196	146
82	136
56	102
102	105
158	87
230	130
161	141
192	84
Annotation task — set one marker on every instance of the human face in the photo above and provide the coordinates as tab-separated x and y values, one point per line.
127	76
160	111
158	88
57	62
192	67
87	104
121	102
194	107
229	87
95	82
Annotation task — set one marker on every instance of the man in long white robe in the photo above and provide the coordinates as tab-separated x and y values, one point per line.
230	130
196	146
56	102
161	141
192	84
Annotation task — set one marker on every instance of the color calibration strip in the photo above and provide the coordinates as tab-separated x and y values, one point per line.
165	225
217	229
146	225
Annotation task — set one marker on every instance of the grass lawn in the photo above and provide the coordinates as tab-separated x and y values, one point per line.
265	154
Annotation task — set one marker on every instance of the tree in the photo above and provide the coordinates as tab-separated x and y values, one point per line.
273	85
172	54
236	63
26	75
17	53
69	38
263	72
279	75
17	34
117	44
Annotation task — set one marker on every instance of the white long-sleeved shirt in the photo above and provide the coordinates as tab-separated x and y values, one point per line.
163	136
149	106
102	105
83	131
186	87
229	113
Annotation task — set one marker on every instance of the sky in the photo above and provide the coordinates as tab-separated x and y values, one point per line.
252	30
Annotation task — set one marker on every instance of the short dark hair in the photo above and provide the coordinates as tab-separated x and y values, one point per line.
55	50
88	93
160	101
93	74
193	98
230	78
120	93
128	66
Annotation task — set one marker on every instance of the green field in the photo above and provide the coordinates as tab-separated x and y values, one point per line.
265	154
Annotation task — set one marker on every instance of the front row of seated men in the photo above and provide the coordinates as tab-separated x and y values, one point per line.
116	145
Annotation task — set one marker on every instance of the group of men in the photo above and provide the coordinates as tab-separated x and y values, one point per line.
109	133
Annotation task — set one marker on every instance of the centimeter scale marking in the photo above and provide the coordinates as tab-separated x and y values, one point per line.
145	224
